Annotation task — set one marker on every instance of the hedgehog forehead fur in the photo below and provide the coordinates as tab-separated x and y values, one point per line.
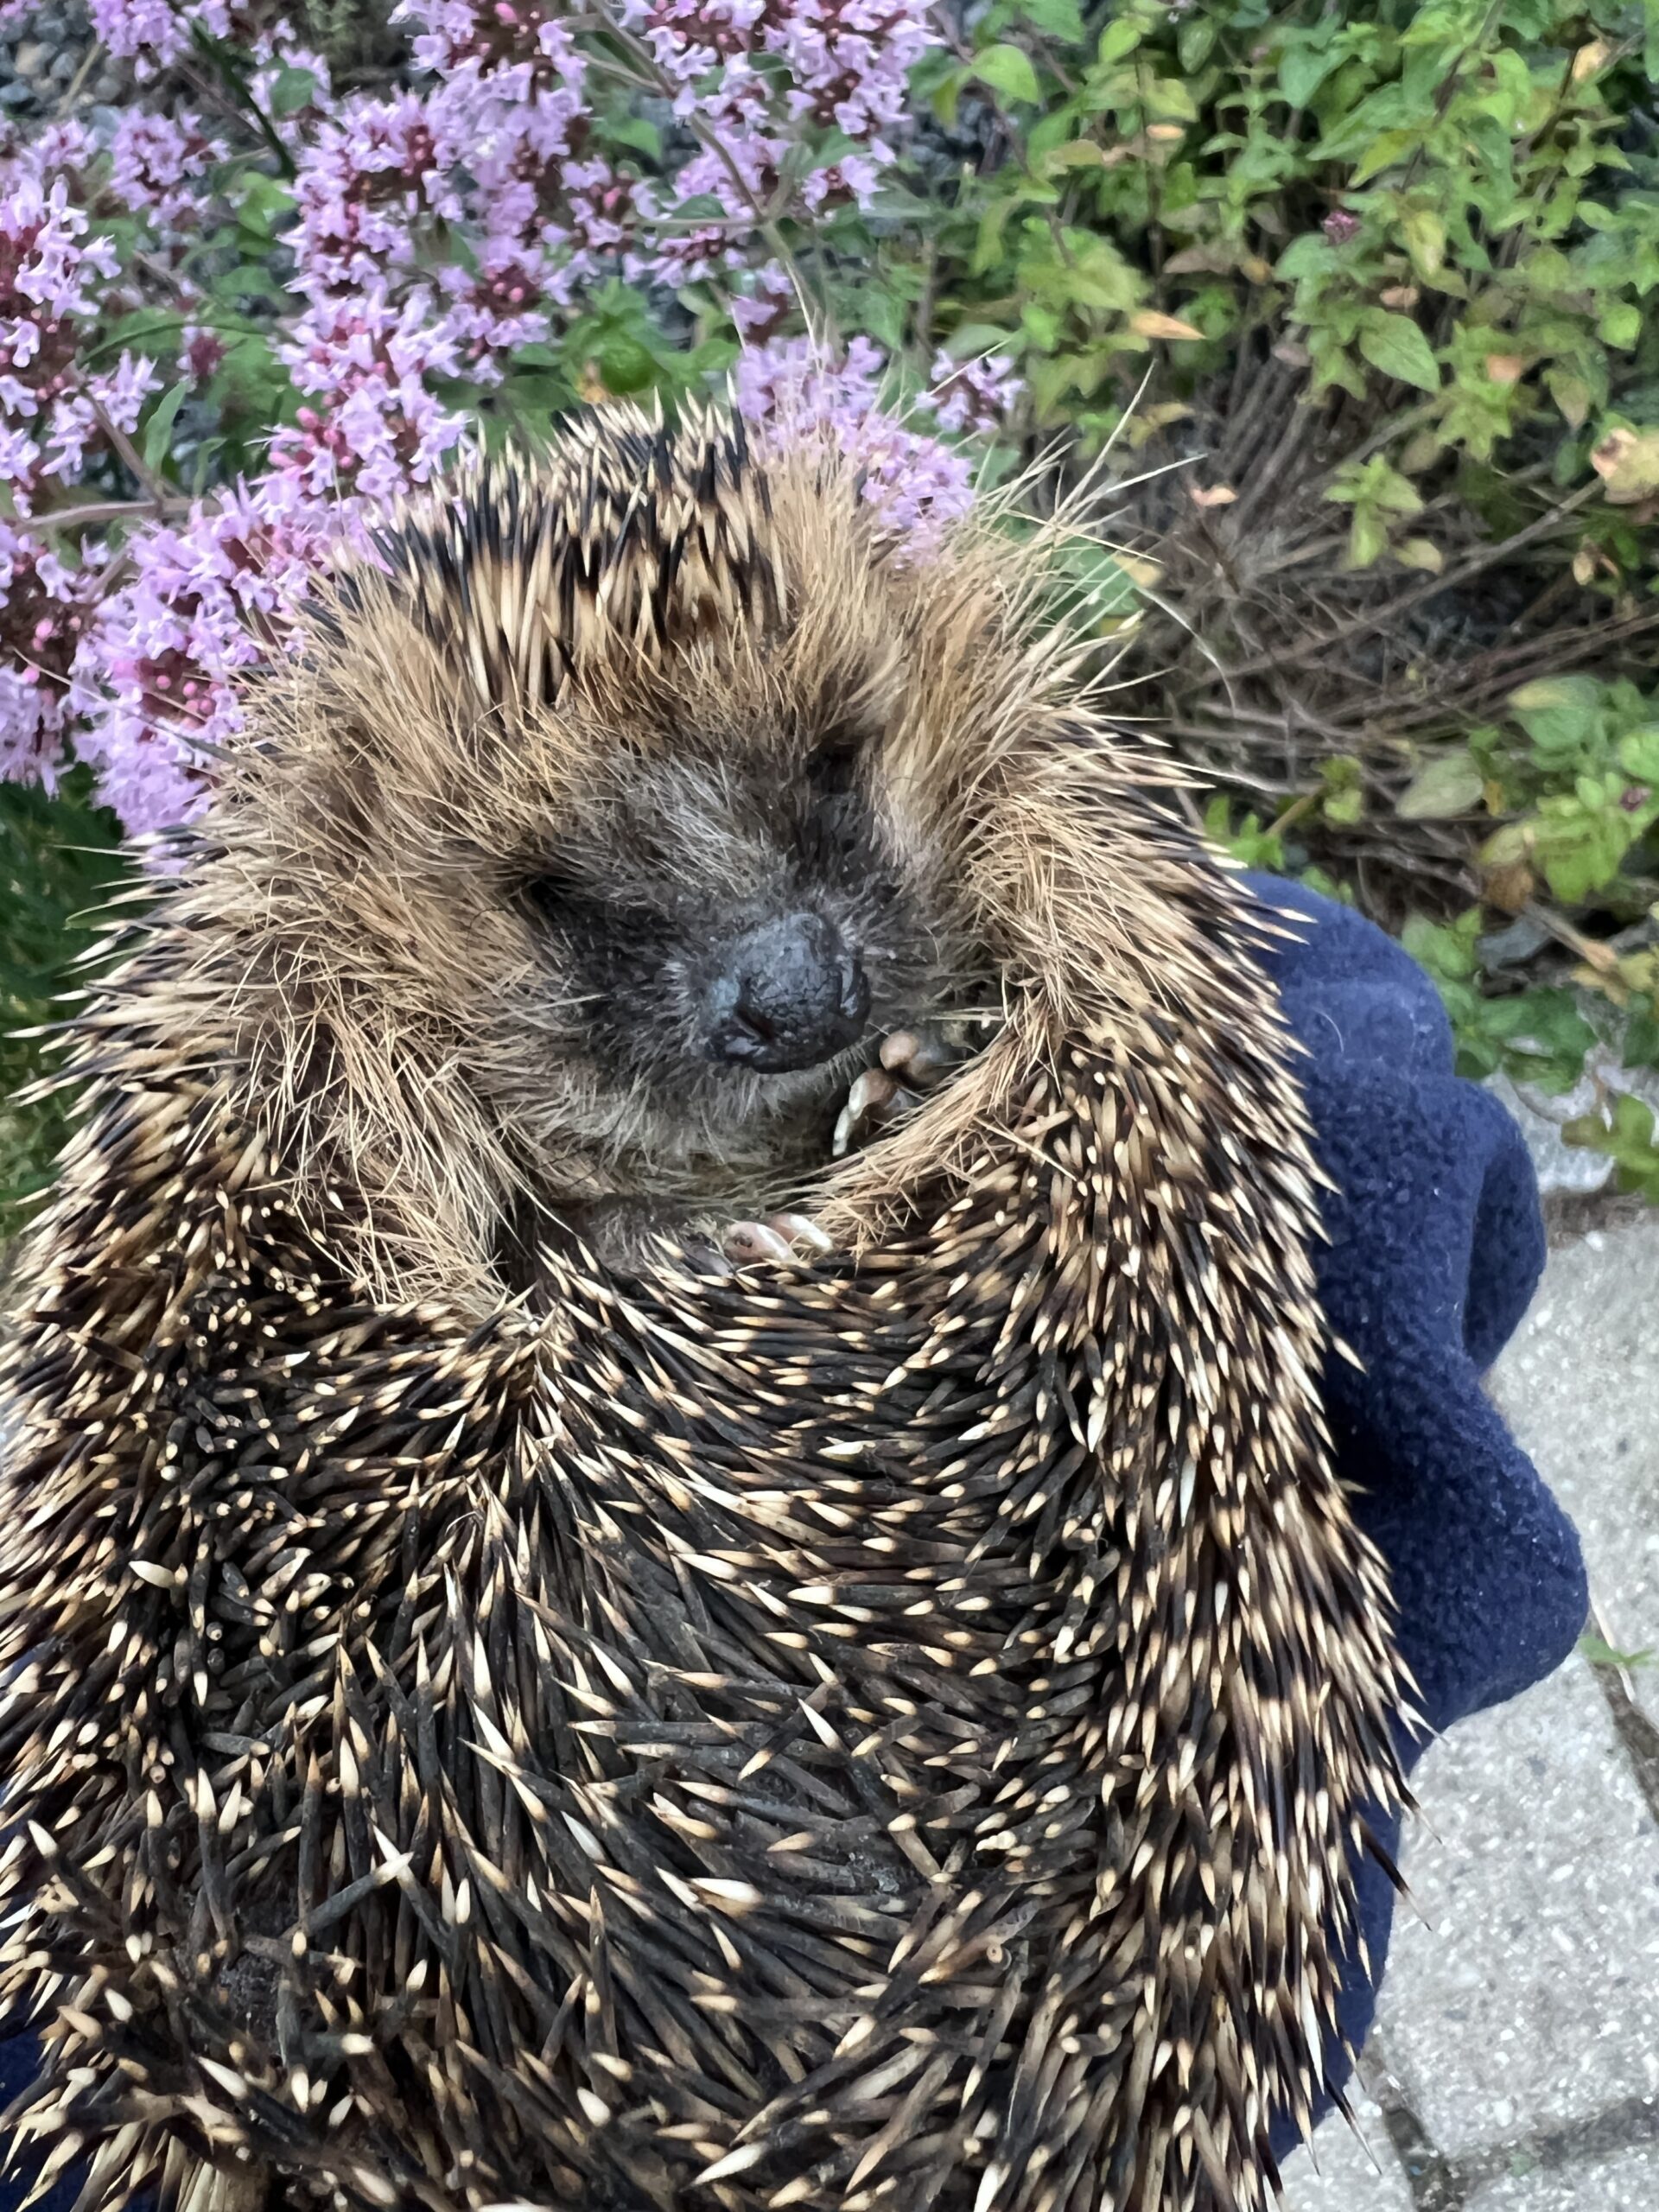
888	1733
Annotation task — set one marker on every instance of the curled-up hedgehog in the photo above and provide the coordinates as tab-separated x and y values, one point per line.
629	1580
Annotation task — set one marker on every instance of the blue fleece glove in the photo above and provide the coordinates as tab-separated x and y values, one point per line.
1437	1244
1436	1247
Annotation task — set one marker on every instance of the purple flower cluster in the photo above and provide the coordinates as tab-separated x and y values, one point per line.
373	426
971	397
847	64
47	608
790	392
437	231
200	603
153	33
56	412
156	165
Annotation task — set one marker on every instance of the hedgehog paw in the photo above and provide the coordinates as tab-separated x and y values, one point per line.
779	1238
917	1058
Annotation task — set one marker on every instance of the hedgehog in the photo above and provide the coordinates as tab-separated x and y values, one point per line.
669	1536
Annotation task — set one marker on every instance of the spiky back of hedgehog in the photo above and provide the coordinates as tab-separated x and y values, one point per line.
892	1732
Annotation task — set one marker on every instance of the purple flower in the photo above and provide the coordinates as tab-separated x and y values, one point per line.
973	396
376	429
154	679
792	396
44	614
440	231
52	280
201	352
155	162
153	33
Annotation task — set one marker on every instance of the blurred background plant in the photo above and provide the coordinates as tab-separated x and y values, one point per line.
1360	295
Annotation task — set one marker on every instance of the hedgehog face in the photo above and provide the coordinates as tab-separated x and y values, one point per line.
600	836
716	931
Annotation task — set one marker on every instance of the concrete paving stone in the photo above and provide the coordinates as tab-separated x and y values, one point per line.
1627	2182
1353	2175
1527	1995
1579	1384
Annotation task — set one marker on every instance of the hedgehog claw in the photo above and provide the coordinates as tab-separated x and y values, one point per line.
875	1102
919	1057
780	1238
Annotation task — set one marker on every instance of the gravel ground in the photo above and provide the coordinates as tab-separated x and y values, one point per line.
51	64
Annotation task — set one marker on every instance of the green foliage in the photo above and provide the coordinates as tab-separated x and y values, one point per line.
1602	1653
1435	201
1573	771
57	863
1270	848
1576	768
1627	1135
1537	1036
1448	214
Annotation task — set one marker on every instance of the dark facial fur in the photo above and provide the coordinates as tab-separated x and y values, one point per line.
720	929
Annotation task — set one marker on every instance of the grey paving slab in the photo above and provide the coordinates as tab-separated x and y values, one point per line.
1340	2173
1528	1994
1628	2182
1579	1384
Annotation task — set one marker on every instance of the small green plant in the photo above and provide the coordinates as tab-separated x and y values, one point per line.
1627	1135
1536	1035
1602	1653
1571	774
57	864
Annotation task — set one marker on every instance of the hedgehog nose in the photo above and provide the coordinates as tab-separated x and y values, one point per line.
790	994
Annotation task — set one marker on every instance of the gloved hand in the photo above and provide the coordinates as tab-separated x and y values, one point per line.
1437	1244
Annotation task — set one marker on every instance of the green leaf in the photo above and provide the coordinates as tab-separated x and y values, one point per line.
1627	1138
1302	71
1008	70
1606	1655
1393	344
1343	800
1639	1047
1121	36
1061	19
637	131
1639	754
1449	784
1560	714
1425	236
1310	255
159	429
263	206
969	340
1249	842
1620	324
1446	949
291	91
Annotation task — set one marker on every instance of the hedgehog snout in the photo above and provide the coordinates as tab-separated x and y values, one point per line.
790	993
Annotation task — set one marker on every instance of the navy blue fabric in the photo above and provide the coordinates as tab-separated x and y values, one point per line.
1436	1244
